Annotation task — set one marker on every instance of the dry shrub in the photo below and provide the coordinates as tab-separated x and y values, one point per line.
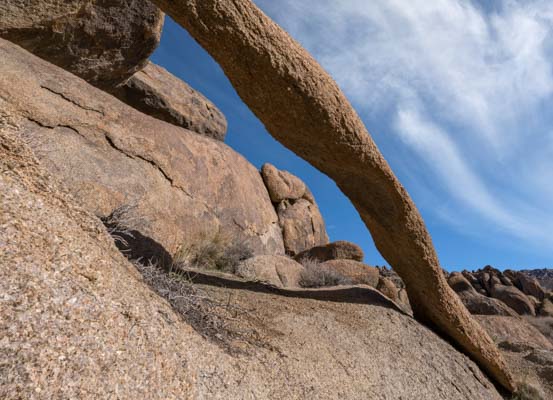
316	274
219	252
122	222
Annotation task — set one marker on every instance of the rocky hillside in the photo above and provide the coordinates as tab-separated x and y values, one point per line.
142	257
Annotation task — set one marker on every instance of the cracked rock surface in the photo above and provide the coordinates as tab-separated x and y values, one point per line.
183	187
77	321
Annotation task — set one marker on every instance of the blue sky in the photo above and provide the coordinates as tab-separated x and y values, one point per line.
456	93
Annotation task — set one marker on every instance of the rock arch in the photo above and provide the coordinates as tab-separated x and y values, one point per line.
303	108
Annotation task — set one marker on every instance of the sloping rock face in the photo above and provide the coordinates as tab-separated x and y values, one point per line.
183	187
301	221
79	322
303	108
157	92
340	250
102	41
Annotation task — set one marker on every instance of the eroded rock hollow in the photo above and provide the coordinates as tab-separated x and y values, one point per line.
303	108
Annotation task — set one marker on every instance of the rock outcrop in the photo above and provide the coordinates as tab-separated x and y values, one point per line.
356	272
279	271
299	216
529	286
514	298
340	250
282	185
475	302
387	288
77	321
182	187
102	41
303	108
302	225
158	93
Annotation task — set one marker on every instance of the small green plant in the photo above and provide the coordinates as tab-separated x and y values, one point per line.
316	274
218	252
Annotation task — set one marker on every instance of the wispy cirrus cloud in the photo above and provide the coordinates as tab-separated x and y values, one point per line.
466	86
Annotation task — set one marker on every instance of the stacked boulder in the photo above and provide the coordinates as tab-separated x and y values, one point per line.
158	93
102	41
491	292
299	217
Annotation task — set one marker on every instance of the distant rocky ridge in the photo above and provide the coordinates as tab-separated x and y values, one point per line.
543	275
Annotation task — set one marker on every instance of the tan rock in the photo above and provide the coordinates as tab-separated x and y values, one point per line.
514	330
78	322
356	271
340	250
279	271
302	225
156	92
184	187
547	308
480	304
387	288
530	286
459	283
303	108
282	185
101	41
514	298
475	302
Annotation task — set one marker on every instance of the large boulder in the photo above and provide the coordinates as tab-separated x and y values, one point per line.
475	302
459	283
479	304
102	41
302	225
530	286
282	185
514	298
387	288
181	187
278	271
158	93
340	250
79	322
356	272
302	107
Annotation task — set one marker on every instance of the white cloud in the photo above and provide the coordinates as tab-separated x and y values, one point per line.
467	90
